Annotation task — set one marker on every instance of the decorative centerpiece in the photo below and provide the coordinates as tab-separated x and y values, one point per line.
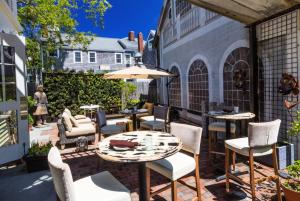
36	159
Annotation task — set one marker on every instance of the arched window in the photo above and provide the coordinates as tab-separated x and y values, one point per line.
198	85
236	79
175	89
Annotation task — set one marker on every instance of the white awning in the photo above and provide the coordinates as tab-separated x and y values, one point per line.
246	11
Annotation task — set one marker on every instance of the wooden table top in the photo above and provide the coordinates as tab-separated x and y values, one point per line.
230	116
152	146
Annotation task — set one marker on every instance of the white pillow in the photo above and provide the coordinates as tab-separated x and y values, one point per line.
67	121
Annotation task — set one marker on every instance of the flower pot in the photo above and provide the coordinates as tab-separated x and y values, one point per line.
36	163
285	156
290	195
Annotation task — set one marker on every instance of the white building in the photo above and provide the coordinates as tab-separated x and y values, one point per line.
14	137
204	49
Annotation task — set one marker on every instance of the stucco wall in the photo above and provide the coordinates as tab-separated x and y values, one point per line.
211	43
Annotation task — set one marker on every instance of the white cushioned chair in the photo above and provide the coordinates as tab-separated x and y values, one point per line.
80	119
180	164
102	186
261	141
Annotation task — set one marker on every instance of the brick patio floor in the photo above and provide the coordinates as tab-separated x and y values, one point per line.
86	163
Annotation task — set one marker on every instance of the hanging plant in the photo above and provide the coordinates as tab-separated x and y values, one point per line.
288	84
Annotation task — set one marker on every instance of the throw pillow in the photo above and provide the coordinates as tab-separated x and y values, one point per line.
67	122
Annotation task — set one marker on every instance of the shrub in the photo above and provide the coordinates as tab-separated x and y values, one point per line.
72	90
37	149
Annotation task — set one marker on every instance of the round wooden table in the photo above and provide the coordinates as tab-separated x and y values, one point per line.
133	113
152	145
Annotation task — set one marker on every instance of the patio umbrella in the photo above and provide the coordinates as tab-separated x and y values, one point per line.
137	72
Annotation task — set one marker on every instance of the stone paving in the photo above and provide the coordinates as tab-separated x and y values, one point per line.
87	163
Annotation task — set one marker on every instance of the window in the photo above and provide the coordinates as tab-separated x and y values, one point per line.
128	58
8	128
77	57
118	58
7	74
198	85
55	53
182	7
175	89
150	44
92	57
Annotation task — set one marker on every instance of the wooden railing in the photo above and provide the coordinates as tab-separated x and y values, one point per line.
169	34
209	16
190	21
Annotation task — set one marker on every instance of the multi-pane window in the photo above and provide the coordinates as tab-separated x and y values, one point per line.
237	79
175	89
128	58
118	58
77	57
92	57
198	85
182	7
7	74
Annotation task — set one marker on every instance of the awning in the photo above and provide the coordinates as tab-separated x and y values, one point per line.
246	11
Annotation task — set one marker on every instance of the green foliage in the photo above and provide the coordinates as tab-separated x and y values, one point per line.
30	119
47	19
295	126
132	102
39	149
128	90
72	90
294	172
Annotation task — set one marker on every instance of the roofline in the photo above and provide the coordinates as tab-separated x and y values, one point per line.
161	17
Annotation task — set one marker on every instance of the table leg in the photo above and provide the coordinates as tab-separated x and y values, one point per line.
142	182
134	122
228	129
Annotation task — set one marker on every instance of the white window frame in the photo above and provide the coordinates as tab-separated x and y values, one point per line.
75	57
89	57
116	58
129	58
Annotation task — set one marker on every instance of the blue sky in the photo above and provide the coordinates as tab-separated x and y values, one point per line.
125	16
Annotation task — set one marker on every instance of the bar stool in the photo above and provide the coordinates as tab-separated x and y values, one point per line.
261	141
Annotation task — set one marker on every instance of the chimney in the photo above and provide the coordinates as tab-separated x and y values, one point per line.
131	36
140	42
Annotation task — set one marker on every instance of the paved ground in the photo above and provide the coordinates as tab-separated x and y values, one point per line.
86	163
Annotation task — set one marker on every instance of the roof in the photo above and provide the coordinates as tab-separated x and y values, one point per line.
246	11
106	44
127	44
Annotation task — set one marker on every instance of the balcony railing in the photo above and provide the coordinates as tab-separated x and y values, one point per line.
190	21
209	16
169	34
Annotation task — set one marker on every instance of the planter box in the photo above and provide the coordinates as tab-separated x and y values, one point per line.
285	156
36	163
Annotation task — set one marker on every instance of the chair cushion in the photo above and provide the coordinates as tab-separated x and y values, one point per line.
241	146
79	116
149	107
150	118
153	125
102	186
220	127
68	112
82	129
67	121
84	121
173	167
74	121
112	129
114	121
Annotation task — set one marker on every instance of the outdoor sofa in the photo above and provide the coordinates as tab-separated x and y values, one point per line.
70	128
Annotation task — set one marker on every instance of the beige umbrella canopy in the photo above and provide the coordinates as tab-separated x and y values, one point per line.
137	72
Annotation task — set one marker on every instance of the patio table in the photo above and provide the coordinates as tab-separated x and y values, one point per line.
90	108
152	145
133	113
228	118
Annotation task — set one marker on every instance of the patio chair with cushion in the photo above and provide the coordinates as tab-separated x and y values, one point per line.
149	107
69	130
158	121
81	119
261	141
101	186
180	164
109	127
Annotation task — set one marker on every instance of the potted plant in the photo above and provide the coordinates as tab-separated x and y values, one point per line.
30	122
291	187
36	159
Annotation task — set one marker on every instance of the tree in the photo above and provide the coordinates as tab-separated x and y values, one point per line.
44	21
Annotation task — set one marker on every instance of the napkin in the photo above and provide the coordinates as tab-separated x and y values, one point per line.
123	143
